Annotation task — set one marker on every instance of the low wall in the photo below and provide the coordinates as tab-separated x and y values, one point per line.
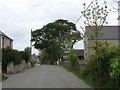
17	68
10	67
28	65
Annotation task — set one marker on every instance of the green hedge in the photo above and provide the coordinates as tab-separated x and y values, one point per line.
9	55
102	70
25	55
115	69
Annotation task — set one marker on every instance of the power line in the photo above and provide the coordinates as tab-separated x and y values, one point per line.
85	10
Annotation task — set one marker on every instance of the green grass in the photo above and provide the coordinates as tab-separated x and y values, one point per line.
91	79
83	74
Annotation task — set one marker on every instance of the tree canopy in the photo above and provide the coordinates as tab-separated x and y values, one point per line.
56	37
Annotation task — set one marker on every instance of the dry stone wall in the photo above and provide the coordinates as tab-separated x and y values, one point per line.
11	68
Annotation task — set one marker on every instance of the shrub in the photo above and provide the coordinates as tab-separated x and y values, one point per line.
6	58
115	69
100	61
100	64
9	55
43	56
17	57
85	71
25	55
73	58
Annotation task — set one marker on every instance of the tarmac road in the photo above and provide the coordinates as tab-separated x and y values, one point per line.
44	76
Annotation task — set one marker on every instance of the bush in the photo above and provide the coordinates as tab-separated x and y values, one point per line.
25	55
115	69
85	71
100	61
9	55
73	58
43	56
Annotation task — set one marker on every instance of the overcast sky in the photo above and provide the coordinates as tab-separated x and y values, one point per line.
18	17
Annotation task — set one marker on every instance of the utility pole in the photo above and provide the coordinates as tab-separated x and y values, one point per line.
31	44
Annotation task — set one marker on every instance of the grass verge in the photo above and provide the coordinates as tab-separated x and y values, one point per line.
91	79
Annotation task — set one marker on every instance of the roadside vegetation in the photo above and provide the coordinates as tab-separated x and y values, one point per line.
54	39
102	70
9	55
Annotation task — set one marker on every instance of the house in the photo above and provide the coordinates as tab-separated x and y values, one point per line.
79	53
5	41
35	58
109	33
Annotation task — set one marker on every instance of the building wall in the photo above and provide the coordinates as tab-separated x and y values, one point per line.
0	53
110	33
6	42
88	52
0	41
86	46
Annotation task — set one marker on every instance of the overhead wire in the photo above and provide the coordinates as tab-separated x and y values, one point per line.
85	10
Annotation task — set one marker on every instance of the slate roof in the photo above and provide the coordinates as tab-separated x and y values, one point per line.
79	52
109	32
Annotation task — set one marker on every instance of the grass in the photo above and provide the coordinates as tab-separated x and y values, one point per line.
91	79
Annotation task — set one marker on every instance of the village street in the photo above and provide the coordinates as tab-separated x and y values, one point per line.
44	76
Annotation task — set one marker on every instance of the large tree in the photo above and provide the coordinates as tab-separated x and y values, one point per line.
55	38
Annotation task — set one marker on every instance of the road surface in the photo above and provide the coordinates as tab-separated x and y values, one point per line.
44	76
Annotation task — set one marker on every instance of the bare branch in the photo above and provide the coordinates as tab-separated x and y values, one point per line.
85	10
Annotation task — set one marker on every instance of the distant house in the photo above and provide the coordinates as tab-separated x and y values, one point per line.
109	33
5	41
35	58
79	53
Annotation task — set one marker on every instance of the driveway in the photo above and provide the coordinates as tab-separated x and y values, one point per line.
44	76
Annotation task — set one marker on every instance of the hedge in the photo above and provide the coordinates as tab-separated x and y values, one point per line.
10	55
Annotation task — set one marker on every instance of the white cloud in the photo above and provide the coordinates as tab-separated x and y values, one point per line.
18	17
17	5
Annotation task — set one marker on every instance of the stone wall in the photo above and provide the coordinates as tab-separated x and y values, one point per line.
10	67
17	68
28	65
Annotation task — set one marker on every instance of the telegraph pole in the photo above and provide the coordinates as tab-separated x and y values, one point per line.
31	44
